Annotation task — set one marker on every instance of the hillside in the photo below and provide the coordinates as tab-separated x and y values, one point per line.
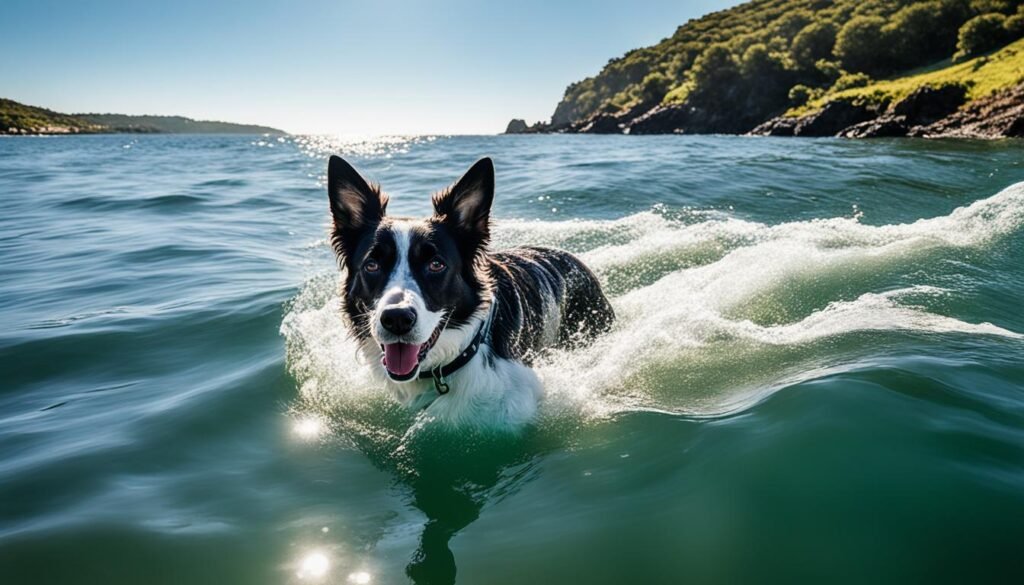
173	125
17	118
979	98
980	77
732	70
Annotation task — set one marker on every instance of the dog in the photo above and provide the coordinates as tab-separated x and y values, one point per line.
450	326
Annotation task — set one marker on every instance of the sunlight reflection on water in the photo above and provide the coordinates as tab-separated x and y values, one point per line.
308	428
357	145
314	566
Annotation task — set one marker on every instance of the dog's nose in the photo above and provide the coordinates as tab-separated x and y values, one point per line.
398	321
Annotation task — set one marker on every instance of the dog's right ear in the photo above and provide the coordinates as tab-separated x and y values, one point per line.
356	206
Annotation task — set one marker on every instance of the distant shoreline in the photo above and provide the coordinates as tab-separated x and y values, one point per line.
17	119
128	133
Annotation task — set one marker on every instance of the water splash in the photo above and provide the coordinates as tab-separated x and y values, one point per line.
714	312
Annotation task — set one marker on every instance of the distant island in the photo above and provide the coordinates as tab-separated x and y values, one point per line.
852	68
17	118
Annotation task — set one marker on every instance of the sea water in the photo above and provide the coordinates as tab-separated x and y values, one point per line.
815	375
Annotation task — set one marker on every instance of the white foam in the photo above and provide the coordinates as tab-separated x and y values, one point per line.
713	311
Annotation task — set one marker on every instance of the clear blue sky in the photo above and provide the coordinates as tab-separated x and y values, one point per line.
317	66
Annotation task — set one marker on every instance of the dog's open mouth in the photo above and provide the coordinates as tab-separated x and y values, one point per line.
401	360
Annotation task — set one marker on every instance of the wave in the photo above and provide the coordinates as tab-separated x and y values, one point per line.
182	202
714	312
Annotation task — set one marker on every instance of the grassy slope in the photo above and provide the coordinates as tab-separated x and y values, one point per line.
982	76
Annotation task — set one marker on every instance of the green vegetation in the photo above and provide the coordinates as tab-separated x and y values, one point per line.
17	118
980	34
982	76
755	60
173	125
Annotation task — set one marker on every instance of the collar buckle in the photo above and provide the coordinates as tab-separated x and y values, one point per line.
439	382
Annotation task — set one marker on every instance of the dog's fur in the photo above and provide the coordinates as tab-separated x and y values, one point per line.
439	273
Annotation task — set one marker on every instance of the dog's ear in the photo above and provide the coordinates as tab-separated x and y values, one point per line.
466	205
356	206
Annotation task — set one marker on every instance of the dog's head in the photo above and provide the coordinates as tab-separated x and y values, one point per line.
412	286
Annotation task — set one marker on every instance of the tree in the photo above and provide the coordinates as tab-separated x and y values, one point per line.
1015	26
792	23
980	34
987	6
922	33
715	68
850	81
654	87
812	43
861	45
801	94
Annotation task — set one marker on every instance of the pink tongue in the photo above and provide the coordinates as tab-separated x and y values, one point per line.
401	358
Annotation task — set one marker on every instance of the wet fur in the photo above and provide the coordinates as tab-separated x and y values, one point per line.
527	300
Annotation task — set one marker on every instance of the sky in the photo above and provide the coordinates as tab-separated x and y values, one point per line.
323	67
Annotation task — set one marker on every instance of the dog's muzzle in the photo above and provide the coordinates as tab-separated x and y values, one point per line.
402	360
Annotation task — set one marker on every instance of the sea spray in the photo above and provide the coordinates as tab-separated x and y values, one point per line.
714	312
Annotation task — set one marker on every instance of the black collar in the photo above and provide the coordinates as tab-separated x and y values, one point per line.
439	373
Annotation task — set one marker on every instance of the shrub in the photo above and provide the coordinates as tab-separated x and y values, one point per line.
987	6
757	61
981	34
654	87
715	66
1014	26
850	81
923	32
791	23
800	94
678	94
861	45
829	69
813	43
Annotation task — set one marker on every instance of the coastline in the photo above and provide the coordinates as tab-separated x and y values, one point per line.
969	95
18	119
928	112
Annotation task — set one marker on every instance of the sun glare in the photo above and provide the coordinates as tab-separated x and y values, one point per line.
308	428
314	566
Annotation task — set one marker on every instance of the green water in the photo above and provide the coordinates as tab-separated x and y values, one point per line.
816	375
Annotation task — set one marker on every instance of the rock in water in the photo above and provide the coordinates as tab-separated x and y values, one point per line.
925	105
781	126
929	104
516	126
831	120
835	117
887	126
601	124
998	116
660	120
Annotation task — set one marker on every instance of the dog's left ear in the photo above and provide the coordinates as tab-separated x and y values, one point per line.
466	205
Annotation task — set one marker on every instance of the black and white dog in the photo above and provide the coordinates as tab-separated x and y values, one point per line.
453	325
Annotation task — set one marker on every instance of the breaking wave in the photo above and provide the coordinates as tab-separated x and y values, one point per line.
714	312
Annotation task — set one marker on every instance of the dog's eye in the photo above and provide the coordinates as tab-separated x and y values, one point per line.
371	266
436	265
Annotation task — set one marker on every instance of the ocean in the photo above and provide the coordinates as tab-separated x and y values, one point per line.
816	374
